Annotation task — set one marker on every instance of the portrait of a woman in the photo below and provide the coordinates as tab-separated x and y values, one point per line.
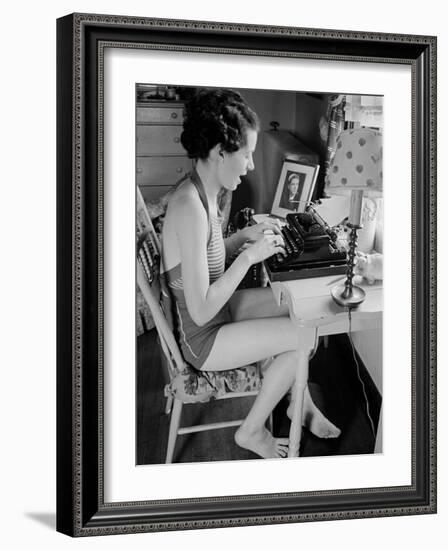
292	191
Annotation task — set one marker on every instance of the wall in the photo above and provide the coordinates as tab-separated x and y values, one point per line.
27	228
309	109
270	106
298	113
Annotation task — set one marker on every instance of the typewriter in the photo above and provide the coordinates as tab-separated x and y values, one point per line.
311	248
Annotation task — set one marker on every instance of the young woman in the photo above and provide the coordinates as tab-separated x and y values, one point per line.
218	327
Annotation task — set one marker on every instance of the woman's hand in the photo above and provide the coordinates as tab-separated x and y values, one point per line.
266	245
239	241
253	232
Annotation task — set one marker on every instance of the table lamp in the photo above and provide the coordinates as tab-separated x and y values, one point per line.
357	165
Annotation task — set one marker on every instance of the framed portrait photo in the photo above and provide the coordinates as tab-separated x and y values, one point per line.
295	188
171	132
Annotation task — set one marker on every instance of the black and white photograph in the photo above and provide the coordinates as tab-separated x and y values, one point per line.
295	188
223	278
292	190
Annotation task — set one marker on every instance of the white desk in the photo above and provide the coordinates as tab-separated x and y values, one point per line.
315	314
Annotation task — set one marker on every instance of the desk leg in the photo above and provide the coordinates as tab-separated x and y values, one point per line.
307	338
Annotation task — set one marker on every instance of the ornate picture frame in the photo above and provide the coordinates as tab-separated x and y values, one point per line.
82	509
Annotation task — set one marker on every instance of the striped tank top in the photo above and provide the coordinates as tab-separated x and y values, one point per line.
197	341
216	255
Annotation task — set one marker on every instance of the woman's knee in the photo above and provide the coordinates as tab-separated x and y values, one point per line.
289	359
293	357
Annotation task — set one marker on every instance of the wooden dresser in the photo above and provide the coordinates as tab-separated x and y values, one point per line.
161	159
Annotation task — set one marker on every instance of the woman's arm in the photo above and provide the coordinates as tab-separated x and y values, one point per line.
204	300
234	242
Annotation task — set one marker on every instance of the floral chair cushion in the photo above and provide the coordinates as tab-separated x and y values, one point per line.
192	386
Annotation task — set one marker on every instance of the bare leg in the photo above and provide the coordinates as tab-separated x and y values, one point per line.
244	342
252	434
255	303
314	420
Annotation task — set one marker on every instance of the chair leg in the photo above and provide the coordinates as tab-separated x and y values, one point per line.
174	427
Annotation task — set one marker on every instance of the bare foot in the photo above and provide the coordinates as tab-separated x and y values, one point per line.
314	420
262	443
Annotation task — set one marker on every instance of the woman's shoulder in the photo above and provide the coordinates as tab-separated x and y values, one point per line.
185	193
185	200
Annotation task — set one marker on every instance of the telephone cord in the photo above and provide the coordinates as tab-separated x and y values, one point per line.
358	372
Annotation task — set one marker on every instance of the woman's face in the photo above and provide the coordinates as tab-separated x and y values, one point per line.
237	164
293	186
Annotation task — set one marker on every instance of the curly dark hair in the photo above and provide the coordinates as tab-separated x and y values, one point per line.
215	116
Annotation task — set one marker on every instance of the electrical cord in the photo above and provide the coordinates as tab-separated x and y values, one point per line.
358	372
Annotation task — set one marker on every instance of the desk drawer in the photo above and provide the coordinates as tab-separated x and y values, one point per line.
162	170
159	140
160	115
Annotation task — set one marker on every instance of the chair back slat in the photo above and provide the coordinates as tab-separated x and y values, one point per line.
166	336
148	280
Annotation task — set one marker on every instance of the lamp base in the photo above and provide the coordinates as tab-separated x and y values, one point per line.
348	296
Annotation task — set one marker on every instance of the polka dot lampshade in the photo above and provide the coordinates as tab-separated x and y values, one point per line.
357	162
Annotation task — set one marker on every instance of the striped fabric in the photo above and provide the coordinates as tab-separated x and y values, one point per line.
216	255
216	252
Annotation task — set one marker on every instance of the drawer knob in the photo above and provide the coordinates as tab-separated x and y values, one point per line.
176	139
173	115
139	170
179	169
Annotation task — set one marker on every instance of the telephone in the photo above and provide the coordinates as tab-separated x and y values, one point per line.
311	248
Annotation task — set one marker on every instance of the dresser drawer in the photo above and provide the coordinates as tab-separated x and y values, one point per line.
154	192
159	140
162	170
160	115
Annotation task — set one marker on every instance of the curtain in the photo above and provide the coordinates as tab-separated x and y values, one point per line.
336	119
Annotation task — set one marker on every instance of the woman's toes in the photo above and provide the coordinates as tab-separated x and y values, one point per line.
262	443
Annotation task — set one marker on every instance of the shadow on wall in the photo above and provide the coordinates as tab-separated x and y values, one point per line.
270	105
295	112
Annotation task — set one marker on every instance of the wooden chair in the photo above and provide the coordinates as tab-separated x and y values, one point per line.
186	385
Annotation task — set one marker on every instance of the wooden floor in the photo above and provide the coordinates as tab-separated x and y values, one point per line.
335	387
